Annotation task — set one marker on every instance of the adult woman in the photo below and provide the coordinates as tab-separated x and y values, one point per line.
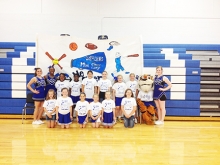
159	94
39	94
50	80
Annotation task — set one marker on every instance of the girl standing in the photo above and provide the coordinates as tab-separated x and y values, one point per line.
89	86
82	108
50	108
133	85
39	94
159	94
108	115
64	109
128	106
61	83
75	87
118	94
104	85
95	111
50	80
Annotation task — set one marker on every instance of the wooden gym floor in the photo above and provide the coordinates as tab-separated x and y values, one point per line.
176	142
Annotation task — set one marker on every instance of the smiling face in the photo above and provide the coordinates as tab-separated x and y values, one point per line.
89	75
51	71
82	96
38	72
62	77
159	71
64	92
132	77
146	83
104	75
128	93
107	95
120	79
96	98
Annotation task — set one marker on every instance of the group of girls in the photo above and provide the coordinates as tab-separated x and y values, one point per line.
100	101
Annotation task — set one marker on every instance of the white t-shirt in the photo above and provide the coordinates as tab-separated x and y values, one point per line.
104	85
128	104
108	105
75	88
60	85
82	108
119	89
133	85
95	108
50	105
89	85
145	96
64	105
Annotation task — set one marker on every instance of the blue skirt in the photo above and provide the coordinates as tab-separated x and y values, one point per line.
75	99
81	119
89	100
108	118
64	119
40	96
118	101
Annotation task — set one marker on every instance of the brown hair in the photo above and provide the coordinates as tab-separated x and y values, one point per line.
54	95
36	69
132	95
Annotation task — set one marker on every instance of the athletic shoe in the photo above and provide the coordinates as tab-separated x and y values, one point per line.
159	123
35	122
135	120
120	121
40	122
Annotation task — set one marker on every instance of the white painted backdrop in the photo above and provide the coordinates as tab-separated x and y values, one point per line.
158	21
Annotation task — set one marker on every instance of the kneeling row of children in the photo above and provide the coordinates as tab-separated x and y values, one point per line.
61	110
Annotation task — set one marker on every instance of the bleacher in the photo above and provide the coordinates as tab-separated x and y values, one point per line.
180	62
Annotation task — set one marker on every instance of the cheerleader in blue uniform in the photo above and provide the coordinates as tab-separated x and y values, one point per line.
108	115
39	94
159	94
50	79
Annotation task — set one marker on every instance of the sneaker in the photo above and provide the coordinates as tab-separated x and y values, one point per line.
40	122
135	120
119	120
159	123
35	122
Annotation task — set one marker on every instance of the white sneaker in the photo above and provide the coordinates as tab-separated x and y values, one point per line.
35	122
135	120
40	121
159	122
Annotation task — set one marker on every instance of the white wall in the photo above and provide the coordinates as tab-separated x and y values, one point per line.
158	21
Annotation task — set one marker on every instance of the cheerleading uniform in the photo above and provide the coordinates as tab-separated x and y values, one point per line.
50	81
159	83
40	87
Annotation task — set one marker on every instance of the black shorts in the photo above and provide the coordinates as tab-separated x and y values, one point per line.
162	98
101	96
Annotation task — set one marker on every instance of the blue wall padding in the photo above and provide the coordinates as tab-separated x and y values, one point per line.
8	77
11	45
188	95
15	110
20	48
182	112
158	56
167	63
183	104
185	46
188	79
8	61
12	102
158	50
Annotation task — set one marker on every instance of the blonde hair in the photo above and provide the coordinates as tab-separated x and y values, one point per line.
54	95
159	67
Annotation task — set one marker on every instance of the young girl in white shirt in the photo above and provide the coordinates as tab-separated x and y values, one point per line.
82	108
118	94
95	111
89	86
50	108
108	115
61	83
64	109
128	106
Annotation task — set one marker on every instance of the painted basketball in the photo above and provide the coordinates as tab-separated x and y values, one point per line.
91	46
73	46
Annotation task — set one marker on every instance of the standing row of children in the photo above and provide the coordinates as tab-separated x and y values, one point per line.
84	98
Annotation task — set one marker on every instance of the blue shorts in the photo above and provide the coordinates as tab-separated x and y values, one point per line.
81	119
118	101
75	99
64	119
89	100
